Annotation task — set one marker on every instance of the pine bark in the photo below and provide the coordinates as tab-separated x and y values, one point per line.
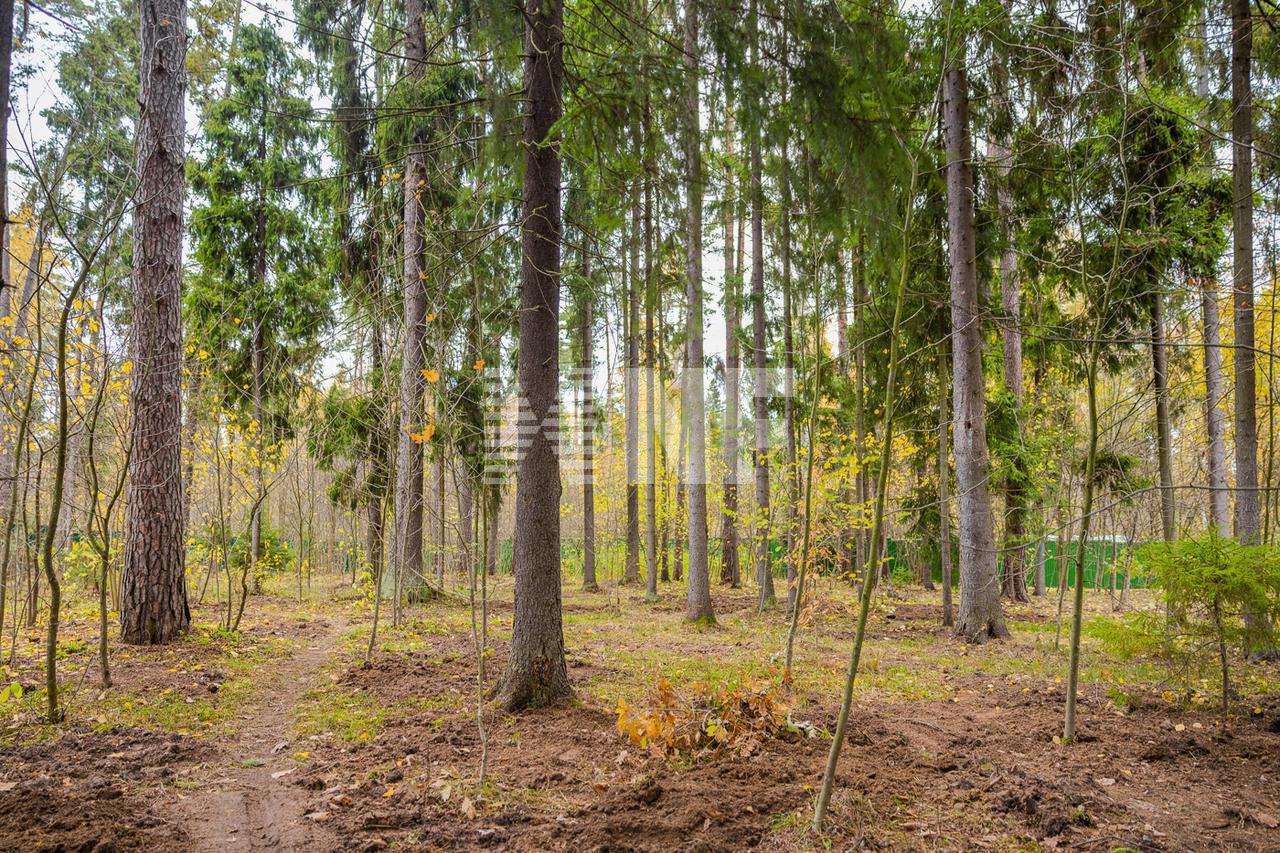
153	587
536	672
980	616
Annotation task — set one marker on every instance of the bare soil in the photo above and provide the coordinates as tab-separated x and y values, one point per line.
979	769
243	800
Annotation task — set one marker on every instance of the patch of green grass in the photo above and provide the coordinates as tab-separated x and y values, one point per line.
239	658
172	712
441	702
1119	698
200	716
71	647
899	681
347	713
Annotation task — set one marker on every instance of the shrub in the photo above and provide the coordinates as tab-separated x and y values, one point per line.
741	718
1209	584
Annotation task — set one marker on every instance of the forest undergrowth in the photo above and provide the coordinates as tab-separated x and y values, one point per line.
677	736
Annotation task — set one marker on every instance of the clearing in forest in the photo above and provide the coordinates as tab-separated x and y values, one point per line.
283	738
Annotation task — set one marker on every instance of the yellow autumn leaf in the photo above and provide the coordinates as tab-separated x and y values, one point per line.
430	375
479	365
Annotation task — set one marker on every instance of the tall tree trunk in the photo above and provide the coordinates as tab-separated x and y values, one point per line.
464	495
1014	584
631	574
760	398
679	519
729	569
259	365
441	506
22	412
944	488
190	426
980	615
698	605
153	586
536	672
668	519
1215	417
494	495
651	363
877	521
6	66
861	485
410	461
11	451
587	343
50	536
792	478
844	539
1164	431
1077	610
1248	520
1247	516
842	311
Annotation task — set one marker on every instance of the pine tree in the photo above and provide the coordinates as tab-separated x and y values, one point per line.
536	672
153	587
980	614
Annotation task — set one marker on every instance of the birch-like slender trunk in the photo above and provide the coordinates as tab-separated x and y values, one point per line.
631	387
587	344
729	570
650	355
698	604
1014	584
410	461
944	487
760	399
1164	430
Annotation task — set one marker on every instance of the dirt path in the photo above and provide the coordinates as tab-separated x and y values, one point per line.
247	799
